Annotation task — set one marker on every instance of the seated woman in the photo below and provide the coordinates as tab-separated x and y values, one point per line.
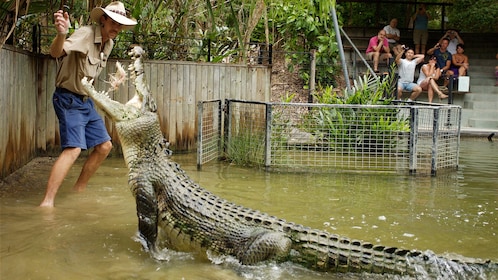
460	61
429	74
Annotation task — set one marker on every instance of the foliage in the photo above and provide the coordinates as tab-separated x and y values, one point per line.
358	129
302	26
474	16
465	15
246	148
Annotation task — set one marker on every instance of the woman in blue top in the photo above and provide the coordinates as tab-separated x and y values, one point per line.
420	29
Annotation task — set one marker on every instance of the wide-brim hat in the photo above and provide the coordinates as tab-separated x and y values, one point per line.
116	11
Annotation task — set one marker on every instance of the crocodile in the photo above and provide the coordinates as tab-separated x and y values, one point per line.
176	213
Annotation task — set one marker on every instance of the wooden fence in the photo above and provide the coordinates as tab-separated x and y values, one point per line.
29	127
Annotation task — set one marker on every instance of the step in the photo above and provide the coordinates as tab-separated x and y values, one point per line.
481	114
481	79
483	97
483	123
479	105
483	62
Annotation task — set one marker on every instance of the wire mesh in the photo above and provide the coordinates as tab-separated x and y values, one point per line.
416	139
338	136
246	132
209	134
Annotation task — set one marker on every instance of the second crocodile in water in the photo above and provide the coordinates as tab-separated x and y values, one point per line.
176	213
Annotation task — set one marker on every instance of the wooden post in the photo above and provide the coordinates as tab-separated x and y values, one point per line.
312	76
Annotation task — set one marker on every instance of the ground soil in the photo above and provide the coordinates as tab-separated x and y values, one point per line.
284	82
27	177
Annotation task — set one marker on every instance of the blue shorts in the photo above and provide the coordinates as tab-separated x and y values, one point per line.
407	86
79	123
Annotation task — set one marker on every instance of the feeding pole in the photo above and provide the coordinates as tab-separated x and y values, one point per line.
339	45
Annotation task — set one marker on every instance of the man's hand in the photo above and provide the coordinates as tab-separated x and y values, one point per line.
61	22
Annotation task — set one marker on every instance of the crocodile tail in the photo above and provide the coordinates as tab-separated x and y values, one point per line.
327	252
323	251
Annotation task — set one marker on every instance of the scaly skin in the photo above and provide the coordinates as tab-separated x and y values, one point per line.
176	213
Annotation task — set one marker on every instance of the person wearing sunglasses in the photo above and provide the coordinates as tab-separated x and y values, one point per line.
429	74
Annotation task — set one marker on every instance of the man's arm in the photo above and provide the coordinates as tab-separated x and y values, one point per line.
398	56
62	26
431	50
460	40
419	58
447	66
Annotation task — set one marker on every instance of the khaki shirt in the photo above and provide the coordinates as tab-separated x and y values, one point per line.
83	58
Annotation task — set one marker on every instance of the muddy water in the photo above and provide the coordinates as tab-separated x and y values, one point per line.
91	235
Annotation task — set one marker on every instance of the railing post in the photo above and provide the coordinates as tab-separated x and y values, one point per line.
220	127
209	51
199	134
450	90
270	54
435	133
413	140
36	38
228	125
268	136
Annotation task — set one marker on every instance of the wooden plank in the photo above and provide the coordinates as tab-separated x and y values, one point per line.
182	105
174	108
166	114
4	77
52	127
161	106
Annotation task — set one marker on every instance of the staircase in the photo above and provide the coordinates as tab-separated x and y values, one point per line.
480	104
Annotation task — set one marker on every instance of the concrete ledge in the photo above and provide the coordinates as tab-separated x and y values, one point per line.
478	132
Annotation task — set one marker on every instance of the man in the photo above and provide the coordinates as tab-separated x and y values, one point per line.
378	49
406	68
83	54
444	58
420	29
454	39
392	32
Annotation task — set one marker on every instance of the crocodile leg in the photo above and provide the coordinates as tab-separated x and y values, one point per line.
147	213
265	245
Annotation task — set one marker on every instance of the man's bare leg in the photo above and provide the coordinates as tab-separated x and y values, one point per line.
415	93
97	156
376	56
59	171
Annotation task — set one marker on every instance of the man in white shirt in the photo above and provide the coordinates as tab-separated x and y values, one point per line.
453	38
392	32
406	68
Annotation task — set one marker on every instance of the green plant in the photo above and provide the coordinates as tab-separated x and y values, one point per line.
370	129
246	148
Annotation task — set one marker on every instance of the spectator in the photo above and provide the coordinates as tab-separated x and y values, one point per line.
420	29
444	58
406	68
378	48
429	74
392	33
460	61
454	39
